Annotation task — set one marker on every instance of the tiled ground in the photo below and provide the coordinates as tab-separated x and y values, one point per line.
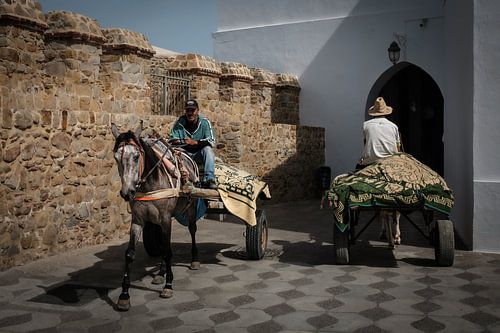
295	288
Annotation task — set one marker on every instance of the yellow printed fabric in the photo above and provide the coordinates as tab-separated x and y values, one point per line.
396	181
239	191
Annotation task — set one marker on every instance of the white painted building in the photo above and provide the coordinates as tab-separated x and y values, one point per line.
445	89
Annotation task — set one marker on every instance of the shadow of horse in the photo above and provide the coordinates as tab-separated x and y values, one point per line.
103	277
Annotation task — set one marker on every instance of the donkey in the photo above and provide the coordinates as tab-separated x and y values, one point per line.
141	172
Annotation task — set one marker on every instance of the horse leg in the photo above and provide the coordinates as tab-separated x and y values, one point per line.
167	291
160	277
195	263
388	229
123	303
397	237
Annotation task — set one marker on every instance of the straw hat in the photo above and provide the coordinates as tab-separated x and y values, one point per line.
379	108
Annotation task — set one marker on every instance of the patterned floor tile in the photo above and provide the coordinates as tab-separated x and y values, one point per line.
426	307
481	318
200	317
279	309
376	313
267	326
380	297
248	317
309	303
241	300
400	323
428	325
224	317
347	322
322	321
290	294
402	306
297	320
403	290
428	292
165	323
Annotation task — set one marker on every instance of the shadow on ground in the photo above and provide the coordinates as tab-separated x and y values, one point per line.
96	281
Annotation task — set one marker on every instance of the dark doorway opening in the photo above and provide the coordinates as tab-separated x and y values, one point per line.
418	111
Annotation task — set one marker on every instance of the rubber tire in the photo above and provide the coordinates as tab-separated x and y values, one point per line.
444	243
257	236
152	239
341	246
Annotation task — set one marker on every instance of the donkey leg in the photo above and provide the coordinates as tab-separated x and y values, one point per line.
167	291
388	229
397	236
195	263
123	303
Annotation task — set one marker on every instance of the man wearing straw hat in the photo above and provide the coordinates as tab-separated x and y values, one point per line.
381	139
380	135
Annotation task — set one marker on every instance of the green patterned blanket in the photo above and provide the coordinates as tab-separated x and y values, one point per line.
396	181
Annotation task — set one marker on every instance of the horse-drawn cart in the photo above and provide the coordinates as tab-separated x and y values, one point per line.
396	185
256	236
159	183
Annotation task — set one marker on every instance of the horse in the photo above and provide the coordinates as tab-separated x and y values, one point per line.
142	173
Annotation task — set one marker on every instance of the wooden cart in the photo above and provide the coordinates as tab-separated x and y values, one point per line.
440	232
256	236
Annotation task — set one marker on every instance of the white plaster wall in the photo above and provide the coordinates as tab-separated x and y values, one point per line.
458	112
338	49
486	126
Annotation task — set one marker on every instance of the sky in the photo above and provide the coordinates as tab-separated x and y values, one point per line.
183	26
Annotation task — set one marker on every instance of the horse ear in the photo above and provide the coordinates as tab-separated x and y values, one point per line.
138	130
114	130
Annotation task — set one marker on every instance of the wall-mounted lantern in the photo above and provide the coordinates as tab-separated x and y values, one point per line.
394	52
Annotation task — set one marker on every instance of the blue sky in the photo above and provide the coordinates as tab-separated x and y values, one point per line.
184	26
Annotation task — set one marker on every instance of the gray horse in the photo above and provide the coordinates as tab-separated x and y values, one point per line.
141	172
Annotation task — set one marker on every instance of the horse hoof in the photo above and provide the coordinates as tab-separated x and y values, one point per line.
195	265
166	293
123	304
390	246
158	279
397	241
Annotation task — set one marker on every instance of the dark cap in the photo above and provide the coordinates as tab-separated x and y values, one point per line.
191	104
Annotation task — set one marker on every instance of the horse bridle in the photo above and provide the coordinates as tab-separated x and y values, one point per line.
142	180
141	159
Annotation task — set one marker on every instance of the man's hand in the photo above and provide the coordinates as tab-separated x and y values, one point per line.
191	142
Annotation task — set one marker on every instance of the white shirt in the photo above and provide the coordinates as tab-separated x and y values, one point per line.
381	138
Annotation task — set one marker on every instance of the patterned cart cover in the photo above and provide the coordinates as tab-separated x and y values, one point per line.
239	191
396	181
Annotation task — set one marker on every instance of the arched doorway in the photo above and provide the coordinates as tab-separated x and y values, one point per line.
418	111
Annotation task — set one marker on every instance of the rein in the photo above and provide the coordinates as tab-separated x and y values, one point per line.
143	180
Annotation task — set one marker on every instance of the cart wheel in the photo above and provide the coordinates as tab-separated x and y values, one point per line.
341	246
444	245
152	239
256	237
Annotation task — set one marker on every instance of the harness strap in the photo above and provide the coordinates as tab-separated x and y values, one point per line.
157	195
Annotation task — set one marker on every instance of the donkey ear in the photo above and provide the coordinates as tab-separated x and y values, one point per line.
114	130
138	130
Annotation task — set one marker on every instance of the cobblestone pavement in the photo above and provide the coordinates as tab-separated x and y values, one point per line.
295	288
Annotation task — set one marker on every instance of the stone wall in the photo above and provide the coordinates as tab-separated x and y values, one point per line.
63	80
